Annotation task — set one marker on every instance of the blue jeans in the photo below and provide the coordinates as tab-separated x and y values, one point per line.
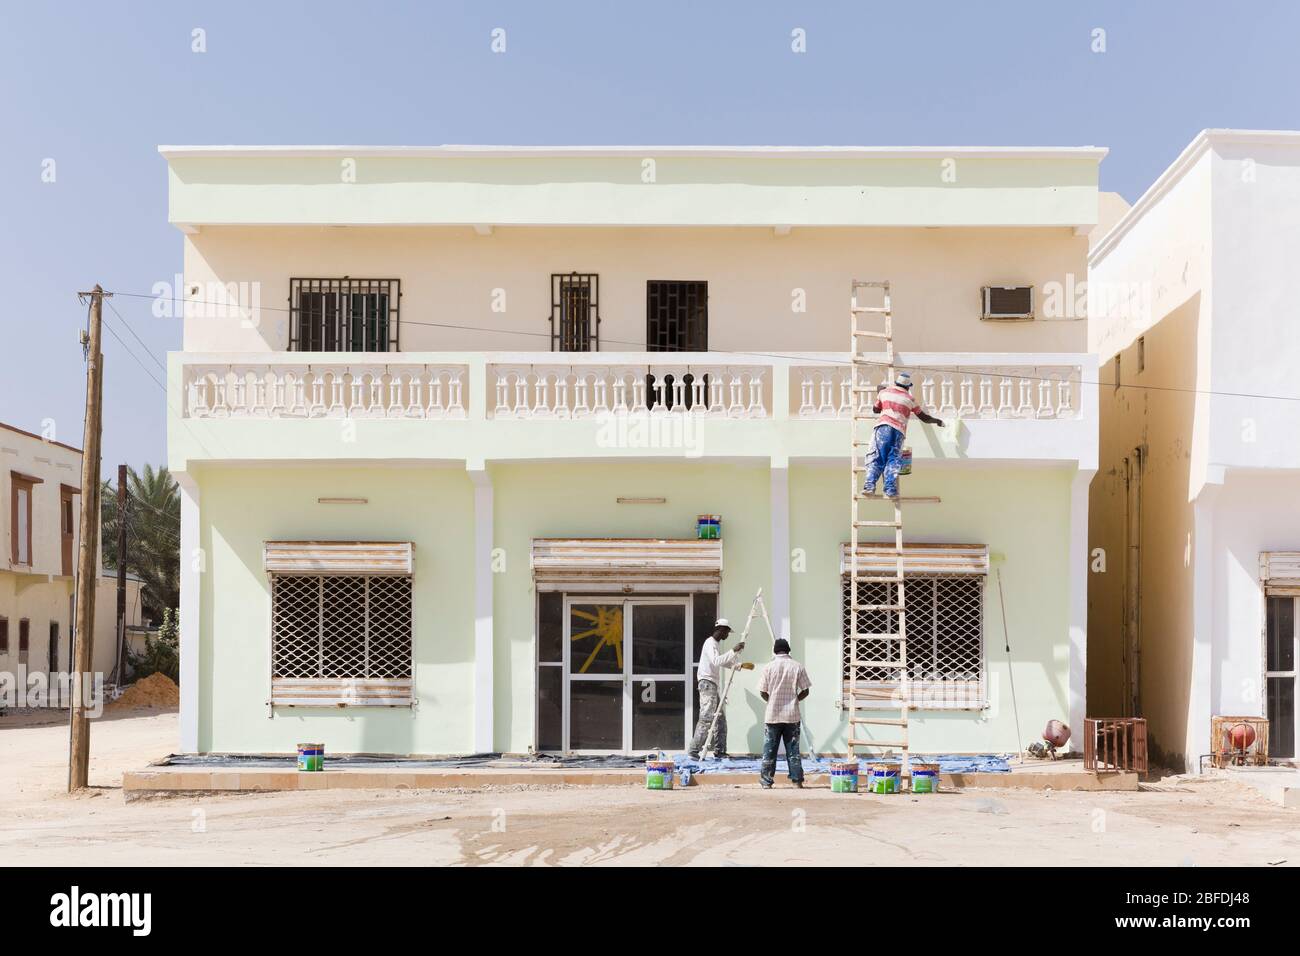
887	456
773	736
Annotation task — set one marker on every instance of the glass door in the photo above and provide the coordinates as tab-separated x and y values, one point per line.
626	666
660	659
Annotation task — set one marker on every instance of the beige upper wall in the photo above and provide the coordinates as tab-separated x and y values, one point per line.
450	277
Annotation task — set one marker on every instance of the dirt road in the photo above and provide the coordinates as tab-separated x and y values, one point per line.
1179	821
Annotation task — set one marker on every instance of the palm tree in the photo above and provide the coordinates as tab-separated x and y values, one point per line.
153	529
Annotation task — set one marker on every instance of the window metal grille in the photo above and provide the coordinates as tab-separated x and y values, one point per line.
344	315
575	312
676	316
945	633
336	627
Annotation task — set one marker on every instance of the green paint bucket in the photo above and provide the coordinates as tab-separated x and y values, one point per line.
906	467
311	757
882	779
708	527
844	777
925	778
659	774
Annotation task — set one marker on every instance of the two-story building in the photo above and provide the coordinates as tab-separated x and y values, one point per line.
1195	503
40	484
445	419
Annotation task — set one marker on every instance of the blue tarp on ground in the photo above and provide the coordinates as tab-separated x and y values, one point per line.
948	763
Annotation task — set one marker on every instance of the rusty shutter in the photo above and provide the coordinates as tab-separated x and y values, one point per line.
626	565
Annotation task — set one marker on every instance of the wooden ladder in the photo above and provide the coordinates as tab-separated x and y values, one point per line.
862	398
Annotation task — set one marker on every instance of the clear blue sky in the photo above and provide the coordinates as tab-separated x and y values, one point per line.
98	86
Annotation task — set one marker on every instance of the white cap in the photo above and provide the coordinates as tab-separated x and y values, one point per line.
904	379
722	622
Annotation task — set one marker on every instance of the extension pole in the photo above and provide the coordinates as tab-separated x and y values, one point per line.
88	555
1011	673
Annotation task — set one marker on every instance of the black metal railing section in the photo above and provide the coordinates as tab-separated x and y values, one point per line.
344	315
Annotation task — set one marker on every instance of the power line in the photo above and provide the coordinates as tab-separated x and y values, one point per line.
640	346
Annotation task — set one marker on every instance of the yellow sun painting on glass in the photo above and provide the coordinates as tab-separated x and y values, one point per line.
606	627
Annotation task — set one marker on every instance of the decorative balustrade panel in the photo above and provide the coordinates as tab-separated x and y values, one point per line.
326	391
584	391
1020	392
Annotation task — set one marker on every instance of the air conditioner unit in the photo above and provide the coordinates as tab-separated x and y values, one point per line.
1007	303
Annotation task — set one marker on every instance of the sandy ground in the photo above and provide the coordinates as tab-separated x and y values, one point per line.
1178	821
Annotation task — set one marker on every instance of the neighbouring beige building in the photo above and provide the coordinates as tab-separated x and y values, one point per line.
40	485
1195	509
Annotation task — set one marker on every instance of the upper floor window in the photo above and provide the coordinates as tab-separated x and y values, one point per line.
575	312
20	516
344	315
676	316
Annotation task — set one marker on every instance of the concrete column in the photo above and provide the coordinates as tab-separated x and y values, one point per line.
193	562
1078	570
778	604
484	645
1200	687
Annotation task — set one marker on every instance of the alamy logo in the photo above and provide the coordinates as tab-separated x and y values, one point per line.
103	909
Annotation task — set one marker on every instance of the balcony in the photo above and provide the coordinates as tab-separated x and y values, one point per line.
548	405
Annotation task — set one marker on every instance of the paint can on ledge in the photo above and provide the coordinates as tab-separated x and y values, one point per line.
311	757
882	779
659	774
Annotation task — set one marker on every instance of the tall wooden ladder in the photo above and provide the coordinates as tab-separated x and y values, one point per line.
872	326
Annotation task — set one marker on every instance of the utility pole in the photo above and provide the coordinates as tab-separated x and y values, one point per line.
88	555
121	573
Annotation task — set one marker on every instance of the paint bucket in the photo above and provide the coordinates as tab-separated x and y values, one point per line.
844	777
708	527
882	779
906	468
311	757
659	774
925	778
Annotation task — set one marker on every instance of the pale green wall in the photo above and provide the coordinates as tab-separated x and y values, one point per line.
1022	514
240	508
561	500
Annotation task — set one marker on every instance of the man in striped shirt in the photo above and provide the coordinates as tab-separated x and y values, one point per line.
895	405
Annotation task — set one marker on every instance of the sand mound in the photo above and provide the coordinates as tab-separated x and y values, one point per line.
156	690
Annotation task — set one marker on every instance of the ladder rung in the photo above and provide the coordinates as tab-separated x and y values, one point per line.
871	333
877	524
882	721
872	363
891	744
934	499
873	309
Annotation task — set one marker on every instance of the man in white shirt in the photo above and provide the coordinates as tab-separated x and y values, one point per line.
783	684
712	662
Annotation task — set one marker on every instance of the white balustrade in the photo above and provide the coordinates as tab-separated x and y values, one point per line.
1022	392
325	391
545	391
820	388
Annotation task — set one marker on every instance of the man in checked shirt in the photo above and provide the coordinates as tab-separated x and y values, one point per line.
783	683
